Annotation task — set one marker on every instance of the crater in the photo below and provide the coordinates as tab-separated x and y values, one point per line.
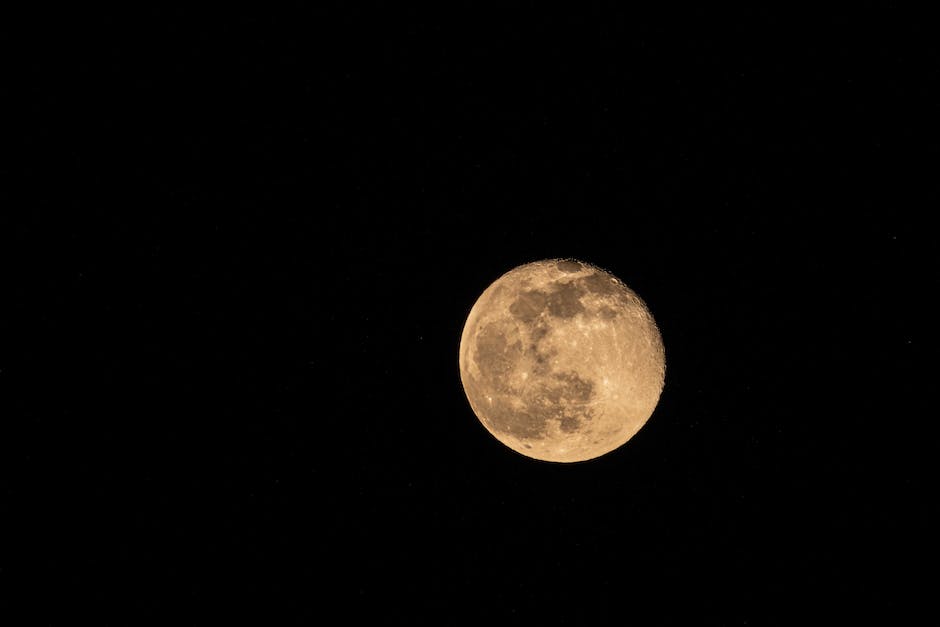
570	424
600	284
565	300
568	266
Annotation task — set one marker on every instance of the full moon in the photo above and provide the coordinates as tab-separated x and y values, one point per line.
561	361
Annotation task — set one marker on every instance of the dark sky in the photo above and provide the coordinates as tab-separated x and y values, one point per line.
249	241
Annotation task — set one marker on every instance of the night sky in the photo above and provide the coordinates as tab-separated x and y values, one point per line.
247	244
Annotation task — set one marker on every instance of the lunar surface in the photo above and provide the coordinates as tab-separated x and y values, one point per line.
561	361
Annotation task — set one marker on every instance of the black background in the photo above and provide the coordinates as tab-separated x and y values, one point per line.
243	246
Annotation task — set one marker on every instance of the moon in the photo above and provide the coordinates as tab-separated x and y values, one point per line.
561	361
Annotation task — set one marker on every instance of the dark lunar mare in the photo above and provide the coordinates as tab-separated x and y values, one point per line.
561	396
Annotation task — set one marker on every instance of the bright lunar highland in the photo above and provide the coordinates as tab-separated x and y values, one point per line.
561	361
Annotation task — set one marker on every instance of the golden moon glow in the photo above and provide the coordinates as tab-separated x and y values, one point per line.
561	361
